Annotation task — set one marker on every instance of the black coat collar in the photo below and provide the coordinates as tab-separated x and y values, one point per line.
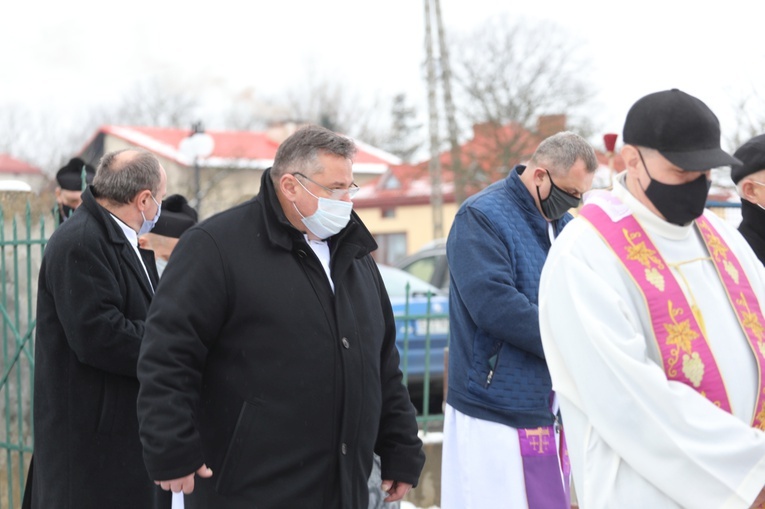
116	237
354	237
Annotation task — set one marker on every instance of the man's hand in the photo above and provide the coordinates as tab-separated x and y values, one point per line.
184	484
395	490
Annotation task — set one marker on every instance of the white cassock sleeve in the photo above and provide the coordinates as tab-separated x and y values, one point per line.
635	439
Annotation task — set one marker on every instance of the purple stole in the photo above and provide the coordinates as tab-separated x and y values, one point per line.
546	469
541	471
684	348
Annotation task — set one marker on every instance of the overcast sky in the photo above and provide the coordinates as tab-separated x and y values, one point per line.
66	55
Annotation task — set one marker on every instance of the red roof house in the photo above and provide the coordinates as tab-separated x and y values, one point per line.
18	170
231	173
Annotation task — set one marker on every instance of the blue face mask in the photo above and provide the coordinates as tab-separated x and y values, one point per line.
147	225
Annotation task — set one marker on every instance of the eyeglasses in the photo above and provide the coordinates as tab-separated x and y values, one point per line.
334	194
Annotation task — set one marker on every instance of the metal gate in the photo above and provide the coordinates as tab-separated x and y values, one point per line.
22	241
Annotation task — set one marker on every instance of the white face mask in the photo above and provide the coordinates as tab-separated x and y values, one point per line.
330	217
147	225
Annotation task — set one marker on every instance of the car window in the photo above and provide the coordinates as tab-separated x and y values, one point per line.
395	281
422	268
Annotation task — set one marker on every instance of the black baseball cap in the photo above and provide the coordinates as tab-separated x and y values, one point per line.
752	157
681	127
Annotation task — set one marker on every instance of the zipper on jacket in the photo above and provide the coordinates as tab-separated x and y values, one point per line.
493	360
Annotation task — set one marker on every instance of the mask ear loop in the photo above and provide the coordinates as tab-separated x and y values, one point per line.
306	190
645	167
539	195
298	210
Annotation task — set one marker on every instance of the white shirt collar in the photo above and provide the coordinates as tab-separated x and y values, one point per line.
132	237
321	248
130	234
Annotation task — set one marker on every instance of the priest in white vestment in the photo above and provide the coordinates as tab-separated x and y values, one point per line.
637	437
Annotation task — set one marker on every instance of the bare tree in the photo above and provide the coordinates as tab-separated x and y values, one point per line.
47	139
404	138
332	103
248	112
152	103
18	135
513	73
509	73
749	114
40	138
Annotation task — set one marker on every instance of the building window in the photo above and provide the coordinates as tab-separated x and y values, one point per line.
391	247
388	212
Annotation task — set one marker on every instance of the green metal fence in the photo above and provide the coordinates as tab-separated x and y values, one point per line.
22	241
23	236
428	415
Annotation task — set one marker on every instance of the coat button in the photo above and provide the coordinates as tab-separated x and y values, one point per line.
301	253
344	449
346	344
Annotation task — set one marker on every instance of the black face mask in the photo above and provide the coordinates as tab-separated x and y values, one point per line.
558	202
64	211
678	203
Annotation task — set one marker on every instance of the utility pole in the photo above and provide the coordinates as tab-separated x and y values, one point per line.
197	145
434	166
451	118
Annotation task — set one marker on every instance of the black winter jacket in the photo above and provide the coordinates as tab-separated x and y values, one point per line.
251	365
92	301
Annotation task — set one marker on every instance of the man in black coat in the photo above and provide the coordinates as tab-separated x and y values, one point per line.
749	177
94	291
269	367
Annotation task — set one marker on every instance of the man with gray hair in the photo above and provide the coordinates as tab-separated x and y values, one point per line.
500	446
269	370
94	290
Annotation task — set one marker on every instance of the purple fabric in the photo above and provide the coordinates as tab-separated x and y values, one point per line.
541	470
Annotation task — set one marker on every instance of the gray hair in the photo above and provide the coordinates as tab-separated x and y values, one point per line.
300	152
120	176
561	151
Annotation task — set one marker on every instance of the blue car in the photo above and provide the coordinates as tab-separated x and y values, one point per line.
422	329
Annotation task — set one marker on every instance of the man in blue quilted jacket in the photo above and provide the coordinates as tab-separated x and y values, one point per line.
503	444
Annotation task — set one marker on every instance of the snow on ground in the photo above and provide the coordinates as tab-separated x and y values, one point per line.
409	505
431	437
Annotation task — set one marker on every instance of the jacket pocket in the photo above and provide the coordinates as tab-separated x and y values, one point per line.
492	362
236	447
486	351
